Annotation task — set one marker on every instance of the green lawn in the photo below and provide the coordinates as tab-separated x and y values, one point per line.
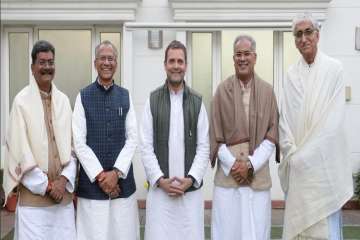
349	233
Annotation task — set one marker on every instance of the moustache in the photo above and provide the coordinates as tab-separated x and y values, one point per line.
47	71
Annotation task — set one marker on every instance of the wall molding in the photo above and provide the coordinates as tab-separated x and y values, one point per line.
246	10
37	12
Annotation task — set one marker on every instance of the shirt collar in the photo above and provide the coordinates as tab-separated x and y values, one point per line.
105	87
44	94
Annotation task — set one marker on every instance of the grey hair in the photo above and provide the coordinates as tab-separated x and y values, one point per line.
243	37
106	43
306	16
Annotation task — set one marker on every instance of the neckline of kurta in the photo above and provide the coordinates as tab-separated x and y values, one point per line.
106	87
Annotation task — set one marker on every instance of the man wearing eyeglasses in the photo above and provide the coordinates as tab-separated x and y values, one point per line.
243	136
315	172
38	154
105	139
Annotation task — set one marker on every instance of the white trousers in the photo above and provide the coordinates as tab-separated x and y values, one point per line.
45	223
174	218
116	219
241	214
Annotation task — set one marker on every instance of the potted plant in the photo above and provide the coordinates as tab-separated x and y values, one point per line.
357	186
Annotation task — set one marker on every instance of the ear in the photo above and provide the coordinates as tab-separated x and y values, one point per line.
32	68
317	35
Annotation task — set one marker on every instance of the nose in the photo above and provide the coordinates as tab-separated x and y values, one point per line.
106	61
302	38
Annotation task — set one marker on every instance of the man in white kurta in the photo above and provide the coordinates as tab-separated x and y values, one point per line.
243	135
105	139
315	172
38	155
172	211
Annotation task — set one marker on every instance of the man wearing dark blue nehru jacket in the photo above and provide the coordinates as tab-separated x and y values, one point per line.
105	139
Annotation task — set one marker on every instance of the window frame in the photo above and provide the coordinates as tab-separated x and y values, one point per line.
278	44
33	37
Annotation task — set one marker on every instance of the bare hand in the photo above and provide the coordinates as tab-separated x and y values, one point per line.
115	192
58	189
184	183
171	187
108	182
239	171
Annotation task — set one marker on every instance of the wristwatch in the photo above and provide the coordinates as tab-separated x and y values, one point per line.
249	165
192	179
118	172
250	170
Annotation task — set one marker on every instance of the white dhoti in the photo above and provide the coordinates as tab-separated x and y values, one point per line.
241	214
44	223
175	218
108	219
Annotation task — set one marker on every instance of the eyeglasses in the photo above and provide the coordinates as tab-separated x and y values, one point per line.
43	63
110	59
244	54
307	33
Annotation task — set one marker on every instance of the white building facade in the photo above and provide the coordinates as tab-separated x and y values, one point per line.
142	29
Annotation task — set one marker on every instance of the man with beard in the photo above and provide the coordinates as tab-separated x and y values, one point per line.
105	139
38	154
243	135
315	172
175	153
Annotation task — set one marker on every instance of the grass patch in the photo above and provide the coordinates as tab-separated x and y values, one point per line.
350	232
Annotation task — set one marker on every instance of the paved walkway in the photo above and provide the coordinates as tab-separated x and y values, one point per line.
350	218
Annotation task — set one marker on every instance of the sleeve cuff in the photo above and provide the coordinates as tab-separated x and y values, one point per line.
124	172
226	159
153	181
196	183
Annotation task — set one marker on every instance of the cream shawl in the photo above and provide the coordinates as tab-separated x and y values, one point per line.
315	172
27	140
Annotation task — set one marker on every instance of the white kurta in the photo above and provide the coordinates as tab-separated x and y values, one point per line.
53	222
315	172
175	218
105	219
242	213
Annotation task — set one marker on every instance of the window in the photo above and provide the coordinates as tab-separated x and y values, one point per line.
201	66
114	38
73	59
205	47
74	55
19	62
264	50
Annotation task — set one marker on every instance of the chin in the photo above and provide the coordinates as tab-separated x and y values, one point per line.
175	81
243	73
106	78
